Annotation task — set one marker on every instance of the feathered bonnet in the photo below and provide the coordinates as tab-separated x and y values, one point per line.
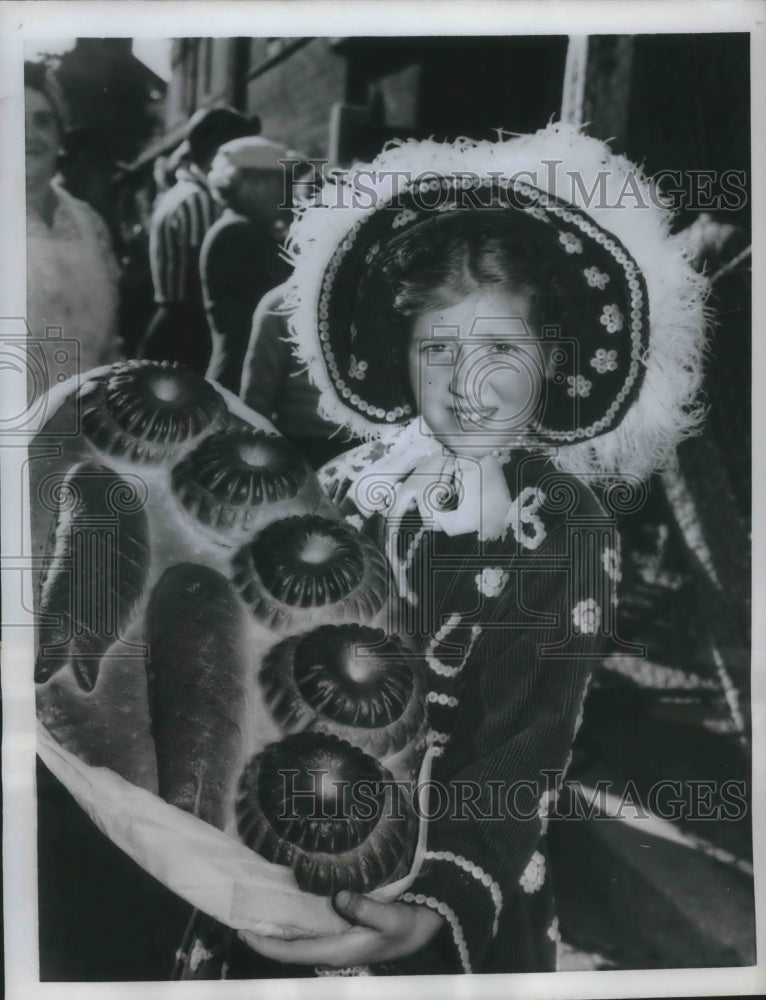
623	389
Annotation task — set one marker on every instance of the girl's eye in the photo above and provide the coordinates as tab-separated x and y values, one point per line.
503	347
437	353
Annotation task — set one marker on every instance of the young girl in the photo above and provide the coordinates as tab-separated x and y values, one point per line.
505	345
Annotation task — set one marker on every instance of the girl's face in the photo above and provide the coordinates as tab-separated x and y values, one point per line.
42	137
476	371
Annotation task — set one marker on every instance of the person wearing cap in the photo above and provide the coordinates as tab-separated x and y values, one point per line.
182	215
240	258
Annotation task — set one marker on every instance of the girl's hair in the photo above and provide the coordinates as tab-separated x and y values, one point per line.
40	77
439	262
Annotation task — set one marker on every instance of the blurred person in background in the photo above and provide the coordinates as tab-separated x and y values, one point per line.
241	258
133	199
161	175
277	386
274	383
72	272
181	217
86	169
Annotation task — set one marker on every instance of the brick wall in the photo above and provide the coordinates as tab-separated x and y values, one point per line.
293	98
201	76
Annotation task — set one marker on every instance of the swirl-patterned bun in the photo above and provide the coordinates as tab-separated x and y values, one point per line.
144	411
354	682
328	811
226	481
307	568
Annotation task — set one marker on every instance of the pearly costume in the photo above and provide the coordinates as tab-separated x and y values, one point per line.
505	564
511	602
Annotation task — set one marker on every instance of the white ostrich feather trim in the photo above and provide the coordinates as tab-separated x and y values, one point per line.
667	408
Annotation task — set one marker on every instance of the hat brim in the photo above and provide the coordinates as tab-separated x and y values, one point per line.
635	403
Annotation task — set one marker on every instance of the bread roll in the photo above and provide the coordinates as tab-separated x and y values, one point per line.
198	688
95	573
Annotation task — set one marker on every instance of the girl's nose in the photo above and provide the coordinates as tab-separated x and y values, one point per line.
469	373
457	383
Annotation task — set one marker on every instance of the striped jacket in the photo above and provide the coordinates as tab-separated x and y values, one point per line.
182	216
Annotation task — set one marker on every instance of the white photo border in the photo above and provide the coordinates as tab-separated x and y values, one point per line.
21	23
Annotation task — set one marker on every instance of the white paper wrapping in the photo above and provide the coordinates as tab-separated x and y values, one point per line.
202	865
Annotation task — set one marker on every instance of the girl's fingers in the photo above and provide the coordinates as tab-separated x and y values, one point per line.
354	947
388	918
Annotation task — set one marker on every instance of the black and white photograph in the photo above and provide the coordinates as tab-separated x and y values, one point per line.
379	560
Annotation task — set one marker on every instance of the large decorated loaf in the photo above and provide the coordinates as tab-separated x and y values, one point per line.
208	623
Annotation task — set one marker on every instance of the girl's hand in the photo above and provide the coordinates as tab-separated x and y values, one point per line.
382	932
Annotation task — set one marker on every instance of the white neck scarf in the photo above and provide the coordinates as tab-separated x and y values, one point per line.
455	494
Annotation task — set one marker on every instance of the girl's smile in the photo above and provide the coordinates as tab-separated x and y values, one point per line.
476	371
